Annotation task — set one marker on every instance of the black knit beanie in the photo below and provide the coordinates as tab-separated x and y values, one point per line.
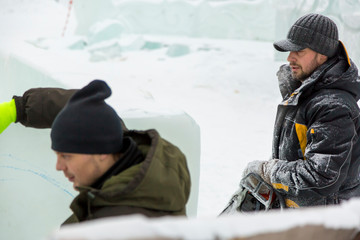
313	31
87	124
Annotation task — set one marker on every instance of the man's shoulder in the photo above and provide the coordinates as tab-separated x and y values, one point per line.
332	96
335	101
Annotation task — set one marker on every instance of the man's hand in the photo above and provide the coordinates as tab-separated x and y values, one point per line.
7	114
262	168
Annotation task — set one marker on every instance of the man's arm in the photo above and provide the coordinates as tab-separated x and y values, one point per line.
37	107
330	140
328	155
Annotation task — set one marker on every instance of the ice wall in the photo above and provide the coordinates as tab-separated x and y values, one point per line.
264	20
192	18
35	198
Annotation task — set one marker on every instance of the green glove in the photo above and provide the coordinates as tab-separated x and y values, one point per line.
7	114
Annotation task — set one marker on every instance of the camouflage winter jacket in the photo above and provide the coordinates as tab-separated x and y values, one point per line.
316	135
159	185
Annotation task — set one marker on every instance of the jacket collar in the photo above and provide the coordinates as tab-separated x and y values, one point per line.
293	98
131	156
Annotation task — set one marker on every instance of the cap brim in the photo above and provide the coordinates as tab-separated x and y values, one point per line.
286	46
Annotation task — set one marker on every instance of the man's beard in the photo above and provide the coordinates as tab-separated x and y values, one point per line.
302	75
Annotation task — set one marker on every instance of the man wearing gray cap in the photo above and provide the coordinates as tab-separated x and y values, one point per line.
316	148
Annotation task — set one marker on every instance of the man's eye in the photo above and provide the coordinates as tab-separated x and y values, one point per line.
301	52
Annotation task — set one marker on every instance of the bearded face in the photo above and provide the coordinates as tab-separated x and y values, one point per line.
304	62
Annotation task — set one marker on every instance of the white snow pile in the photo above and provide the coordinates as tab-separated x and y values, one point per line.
345	217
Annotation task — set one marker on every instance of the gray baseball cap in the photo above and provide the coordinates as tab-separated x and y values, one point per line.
313	31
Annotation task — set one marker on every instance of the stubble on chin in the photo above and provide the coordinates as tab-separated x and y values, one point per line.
300	76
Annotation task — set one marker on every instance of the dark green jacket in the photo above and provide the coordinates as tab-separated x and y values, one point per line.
158	186
316	135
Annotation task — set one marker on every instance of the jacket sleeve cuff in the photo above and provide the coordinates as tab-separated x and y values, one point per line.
20	108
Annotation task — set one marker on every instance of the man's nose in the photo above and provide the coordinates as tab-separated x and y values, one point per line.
291	57
59	164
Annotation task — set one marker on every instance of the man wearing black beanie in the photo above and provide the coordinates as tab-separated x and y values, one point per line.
116	171
316	145
87	137
87	124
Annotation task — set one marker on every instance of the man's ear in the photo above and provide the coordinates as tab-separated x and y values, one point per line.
322	58
106	157
102	157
